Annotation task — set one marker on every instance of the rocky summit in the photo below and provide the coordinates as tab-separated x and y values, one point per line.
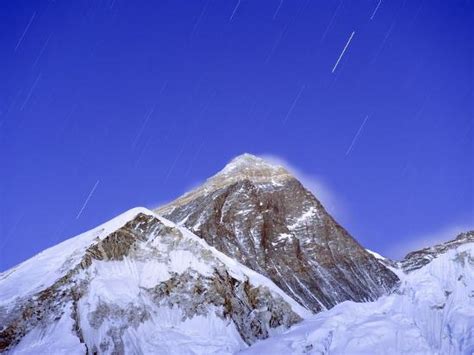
262	216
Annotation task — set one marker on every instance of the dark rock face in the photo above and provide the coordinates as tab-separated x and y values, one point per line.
417	259
263	217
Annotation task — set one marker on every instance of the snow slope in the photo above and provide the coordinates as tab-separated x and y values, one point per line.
138	284
432	313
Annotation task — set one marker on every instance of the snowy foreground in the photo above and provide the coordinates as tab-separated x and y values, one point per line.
431	313
140	284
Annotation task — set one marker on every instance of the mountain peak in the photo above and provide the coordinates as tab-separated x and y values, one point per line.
251	167
243	167
259	213
247	159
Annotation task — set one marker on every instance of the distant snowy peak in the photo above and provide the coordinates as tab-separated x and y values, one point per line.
419	258
138	284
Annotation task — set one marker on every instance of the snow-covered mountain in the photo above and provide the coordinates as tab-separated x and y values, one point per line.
432	312
264	217
250	257
138	284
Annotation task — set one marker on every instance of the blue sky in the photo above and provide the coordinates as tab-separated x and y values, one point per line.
122	104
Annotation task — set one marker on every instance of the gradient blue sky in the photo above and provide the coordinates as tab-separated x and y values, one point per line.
141	100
